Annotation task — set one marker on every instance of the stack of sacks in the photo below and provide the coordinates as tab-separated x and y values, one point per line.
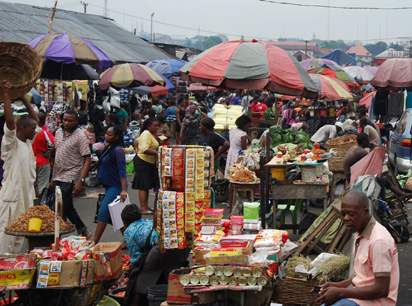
222	115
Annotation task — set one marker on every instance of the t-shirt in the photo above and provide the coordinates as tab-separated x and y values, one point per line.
192	125
147	141
352	156
325	133
258	107
376	254
40	144
112	167
373	135
213	140
170	113
121	114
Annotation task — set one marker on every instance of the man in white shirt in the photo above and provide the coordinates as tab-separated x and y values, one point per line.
17	193
327	132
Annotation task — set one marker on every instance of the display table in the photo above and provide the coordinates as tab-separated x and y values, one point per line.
40	239
299	191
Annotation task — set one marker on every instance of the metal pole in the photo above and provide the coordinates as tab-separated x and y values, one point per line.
262	191
151	27
52	18
84	6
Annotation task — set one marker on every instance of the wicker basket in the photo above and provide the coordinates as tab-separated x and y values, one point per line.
341	149
336	164
293	291
20	65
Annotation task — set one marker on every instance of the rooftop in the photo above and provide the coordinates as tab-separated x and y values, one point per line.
359	50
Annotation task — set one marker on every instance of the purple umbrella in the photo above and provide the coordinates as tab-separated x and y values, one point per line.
69	49
312	63
371	69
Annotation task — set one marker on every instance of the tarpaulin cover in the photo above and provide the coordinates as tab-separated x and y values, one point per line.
340	57
371	164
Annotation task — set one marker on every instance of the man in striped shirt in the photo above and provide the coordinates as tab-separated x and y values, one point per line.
72	163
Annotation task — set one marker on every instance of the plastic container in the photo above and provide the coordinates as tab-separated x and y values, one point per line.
117	298
236	228
236	220
213	213
34	224
212	221
157	294
279	173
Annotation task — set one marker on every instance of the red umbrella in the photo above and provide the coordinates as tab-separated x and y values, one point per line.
253	65
395	72
371	164
366	100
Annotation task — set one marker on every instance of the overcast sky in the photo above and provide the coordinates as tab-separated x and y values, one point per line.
254	18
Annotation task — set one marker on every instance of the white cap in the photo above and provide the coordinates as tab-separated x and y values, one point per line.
339	124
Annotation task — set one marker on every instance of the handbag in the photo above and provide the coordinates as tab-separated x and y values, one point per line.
135	271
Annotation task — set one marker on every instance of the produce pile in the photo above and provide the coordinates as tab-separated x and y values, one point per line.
42	212
241	174
281	136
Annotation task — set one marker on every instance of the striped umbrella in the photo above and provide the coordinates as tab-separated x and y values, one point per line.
312	63
252	65
157	90
69	49
331	88
129	75
360	74
337	73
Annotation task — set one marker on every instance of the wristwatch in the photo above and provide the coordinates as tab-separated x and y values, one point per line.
82	179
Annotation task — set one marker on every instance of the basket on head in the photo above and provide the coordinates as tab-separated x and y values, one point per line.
21	66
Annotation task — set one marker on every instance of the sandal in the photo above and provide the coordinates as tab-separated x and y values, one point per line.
148	212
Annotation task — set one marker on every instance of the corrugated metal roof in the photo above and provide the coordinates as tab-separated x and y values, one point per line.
22	23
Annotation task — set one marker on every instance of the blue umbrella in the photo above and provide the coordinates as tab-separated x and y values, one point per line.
167	66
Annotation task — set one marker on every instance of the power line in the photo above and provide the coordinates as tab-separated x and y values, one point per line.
339	7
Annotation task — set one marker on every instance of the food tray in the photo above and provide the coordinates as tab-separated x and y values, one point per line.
38	234
240	183
213	212
309	165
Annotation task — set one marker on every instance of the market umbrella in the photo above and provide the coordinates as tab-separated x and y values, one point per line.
157	90
312	63
59	71
167	66
371	69
129	75
254	65
360	74
198	87
331	88
366	100
337	73
69	49
395	72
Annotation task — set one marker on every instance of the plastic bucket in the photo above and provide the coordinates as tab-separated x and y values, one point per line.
279	173
157	294
118	298
34	224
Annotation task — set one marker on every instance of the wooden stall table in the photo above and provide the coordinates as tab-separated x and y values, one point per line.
236	187
299	190
38	239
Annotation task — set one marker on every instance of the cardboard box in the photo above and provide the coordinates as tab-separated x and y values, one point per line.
70	274
175	292
108	257
17	279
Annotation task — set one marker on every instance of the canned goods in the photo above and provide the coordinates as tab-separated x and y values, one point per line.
224	280
237	272
184	279
257	272
242	281
194	279
209	270
218	271
262	281
251	280
233	281
214	280
228	271
247	272
204	280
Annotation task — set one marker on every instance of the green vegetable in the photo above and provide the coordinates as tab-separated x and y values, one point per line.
268	114
287	138
275	129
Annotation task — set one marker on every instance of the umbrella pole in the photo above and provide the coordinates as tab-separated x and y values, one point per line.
61	73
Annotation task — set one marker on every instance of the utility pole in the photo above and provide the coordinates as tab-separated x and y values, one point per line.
306	49
52	18
151	27
84	5
105	8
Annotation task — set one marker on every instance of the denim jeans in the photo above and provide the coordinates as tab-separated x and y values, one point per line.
110	196
69	212
344	302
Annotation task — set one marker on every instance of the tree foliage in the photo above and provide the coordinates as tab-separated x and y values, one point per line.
209	42
376	48
334	44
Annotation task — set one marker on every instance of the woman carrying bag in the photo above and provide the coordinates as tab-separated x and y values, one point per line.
112	174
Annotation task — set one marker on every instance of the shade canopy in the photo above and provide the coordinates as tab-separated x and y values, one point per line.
167	66
252	65
395	72
331	88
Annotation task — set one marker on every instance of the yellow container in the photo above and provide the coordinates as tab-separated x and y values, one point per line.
279	173
34	224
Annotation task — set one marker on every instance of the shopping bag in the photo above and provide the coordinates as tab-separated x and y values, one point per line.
115	209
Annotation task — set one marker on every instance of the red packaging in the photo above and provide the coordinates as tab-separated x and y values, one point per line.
178	171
